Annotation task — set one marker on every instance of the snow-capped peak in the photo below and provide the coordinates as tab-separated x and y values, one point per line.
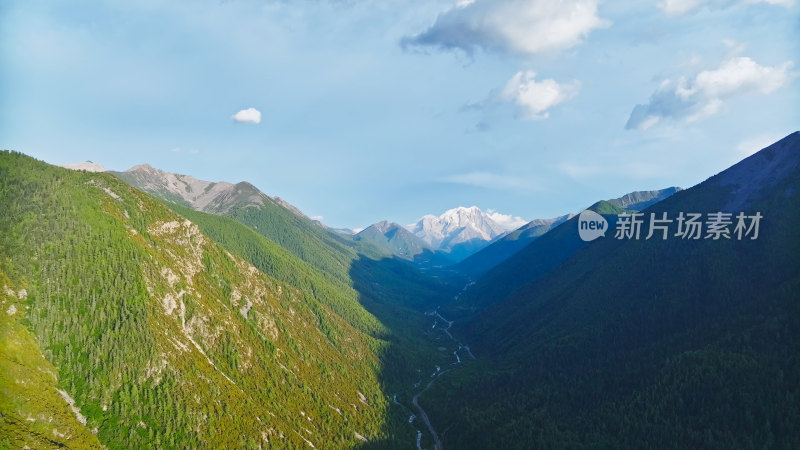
461	225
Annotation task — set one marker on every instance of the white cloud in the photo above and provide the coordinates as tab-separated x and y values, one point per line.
535	98
317	218
678	7
704	95
507	221
492	181
526	27
249	115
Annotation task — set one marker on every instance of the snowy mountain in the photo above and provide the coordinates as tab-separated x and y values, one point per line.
463	231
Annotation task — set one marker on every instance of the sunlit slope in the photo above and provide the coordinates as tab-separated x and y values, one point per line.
32	411
161	336
358	264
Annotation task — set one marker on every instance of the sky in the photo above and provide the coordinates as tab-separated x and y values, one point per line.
358	111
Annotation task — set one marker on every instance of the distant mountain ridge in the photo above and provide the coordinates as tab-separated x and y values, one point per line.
508	245
397	240
394	237
206	196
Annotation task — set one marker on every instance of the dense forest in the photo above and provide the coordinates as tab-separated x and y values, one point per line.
160	336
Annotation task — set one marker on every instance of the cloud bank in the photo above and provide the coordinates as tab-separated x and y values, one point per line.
703	96
526	27
249	115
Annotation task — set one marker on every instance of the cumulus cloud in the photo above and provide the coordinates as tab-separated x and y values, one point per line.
249	115
535	98
507	221
678	7
492	181
703	96
525	27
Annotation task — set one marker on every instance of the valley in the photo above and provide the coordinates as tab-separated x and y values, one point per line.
397	225
146	309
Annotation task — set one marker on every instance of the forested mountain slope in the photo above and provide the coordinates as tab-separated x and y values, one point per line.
160	335
383	300
537	259
649	343
503	248
353	262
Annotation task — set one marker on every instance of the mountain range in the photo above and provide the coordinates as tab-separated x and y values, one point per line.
506	246
442	240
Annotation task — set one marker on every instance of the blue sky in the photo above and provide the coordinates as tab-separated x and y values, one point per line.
392	109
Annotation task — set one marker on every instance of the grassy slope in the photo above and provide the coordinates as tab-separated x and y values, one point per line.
120	289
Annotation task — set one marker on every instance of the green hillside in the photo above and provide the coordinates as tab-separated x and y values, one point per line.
382	300
165	338
648	343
